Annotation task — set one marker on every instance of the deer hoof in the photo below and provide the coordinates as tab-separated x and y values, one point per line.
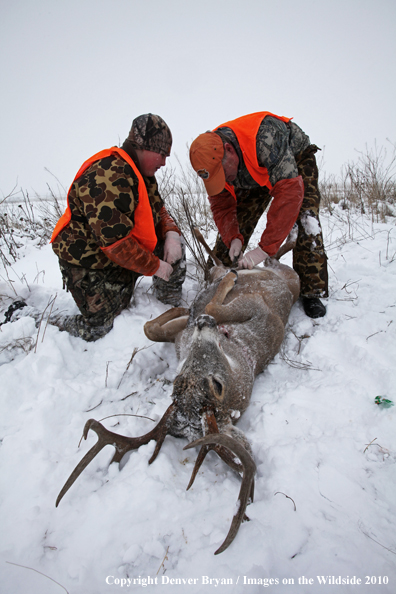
205	321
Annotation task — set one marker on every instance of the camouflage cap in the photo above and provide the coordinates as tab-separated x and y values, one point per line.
149	132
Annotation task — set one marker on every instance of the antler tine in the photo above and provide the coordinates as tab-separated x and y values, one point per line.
247	487
222	452
210	427
198	463
122	444
202	241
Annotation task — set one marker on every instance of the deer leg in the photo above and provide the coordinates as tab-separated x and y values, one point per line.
289	244
226	284
239	310
167	325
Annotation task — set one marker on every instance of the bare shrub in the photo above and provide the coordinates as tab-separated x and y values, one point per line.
367	185
372	178
23	216
187	203
186	187
329	190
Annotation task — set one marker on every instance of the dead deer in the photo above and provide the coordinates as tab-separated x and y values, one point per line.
233	330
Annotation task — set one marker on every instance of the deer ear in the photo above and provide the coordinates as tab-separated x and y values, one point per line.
217	388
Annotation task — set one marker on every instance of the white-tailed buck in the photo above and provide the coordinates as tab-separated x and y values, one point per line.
231	332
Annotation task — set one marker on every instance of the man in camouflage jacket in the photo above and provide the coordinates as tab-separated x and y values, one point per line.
245	163
98	256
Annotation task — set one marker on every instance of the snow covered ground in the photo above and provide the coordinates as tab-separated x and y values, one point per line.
310	420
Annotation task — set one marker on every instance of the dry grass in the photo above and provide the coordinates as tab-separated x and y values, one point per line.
367	185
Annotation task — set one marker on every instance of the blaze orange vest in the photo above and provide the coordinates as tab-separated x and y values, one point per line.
143	230
245	129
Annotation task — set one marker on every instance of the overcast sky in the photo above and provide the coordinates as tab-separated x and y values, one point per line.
74	74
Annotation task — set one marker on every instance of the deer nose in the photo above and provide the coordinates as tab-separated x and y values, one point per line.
205	321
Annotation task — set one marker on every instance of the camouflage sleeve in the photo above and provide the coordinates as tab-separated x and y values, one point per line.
108	196
274	149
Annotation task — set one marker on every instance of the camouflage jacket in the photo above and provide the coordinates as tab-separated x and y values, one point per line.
102	203
277	145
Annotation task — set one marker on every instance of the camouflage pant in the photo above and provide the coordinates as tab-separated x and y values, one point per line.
101	295
309	257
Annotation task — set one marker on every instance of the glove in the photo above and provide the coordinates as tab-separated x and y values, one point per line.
235	249
172	247
252	258
164	271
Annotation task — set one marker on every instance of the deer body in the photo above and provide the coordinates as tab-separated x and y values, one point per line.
224	345
232	331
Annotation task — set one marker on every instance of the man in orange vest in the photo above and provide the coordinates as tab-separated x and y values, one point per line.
243	164
115	229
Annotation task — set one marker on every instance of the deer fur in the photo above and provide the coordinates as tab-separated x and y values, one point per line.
233	330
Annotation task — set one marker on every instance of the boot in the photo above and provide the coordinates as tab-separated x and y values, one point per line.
12	308
80	327
313	307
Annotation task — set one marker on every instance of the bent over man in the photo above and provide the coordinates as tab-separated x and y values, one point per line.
115	229
246	162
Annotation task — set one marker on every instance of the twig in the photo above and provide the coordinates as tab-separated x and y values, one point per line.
50	302
25	343
135	351
49	315
107	372
127	396
295	508
37	571
369	444
93	408
9	281
297	364
163	560
376	541
379	332
300	339
54	176
348	283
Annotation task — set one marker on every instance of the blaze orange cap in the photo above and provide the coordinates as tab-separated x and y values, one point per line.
206	155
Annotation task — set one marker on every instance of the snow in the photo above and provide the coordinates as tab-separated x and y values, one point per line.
310	225
311	417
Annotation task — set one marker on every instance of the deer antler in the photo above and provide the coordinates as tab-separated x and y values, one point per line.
247	487
202	241
121	443
210	427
